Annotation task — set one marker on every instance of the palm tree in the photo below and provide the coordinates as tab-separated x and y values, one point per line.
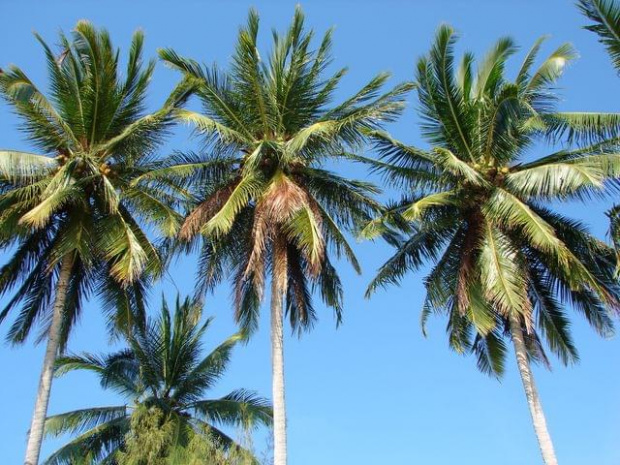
70	212
605	17
265	200
477	206
165	376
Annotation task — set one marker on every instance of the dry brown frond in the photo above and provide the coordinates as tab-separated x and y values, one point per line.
262	232
283	199
280	261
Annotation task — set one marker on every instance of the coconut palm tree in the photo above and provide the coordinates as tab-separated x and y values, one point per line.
478	207
605	17
165	376
70	211
266	201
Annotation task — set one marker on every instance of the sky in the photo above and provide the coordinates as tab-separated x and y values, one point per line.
373	390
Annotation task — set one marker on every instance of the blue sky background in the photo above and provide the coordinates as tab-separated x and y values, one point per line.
374	390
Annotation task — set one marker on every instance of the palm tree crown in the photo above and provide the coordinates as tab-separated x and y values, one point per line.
76	199
163	371
268	129
477	207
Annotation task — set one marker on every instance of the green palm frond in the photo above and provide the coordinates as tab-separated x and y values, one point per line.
551	69
78	421
491	353
240	407
21	167
415	211
553	322
502	277
222	221
510	211
305	231
449	162
585	176
445	118
582	127
490	74
523	75
94	445
426	243
605	17
204	124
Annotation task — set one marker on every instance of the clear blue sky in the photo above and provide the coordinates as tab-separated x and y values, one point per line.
373	391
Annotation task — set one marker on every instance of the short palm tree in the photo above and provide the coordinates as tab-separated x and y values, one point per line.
162	372
70	212
605	17
477	206
265	200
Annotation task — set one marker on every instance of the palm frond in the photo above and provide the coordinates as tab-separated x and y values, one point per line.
502	279
78	421
240	407
605	17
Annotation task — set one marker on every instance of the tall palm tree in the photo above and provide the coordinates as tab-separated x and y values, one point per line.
70	211
266	202
165	376
477	206
605	17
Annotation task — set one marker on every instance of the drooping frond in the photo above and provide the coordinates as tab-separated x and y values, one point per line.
502	278
239	407
20	167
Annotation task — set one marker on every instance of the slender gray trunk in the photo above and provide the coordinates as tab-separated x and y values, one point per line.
533	400
37	426
278	287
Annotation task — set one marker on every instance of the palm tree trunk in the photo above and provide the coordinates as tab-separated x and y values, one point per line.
35	435
278	287
533	400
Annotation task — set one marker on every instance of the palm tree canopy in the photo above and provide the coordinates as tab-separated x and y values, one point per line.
268	127
163	371
477	203
76	197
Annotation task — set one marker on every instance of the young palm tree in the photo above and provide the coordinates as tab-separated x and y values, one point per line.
605	17
477	206
70	212
266	202
165	376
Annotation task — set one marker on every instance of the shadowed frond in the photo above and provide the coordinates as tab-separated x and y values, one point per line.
605	17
